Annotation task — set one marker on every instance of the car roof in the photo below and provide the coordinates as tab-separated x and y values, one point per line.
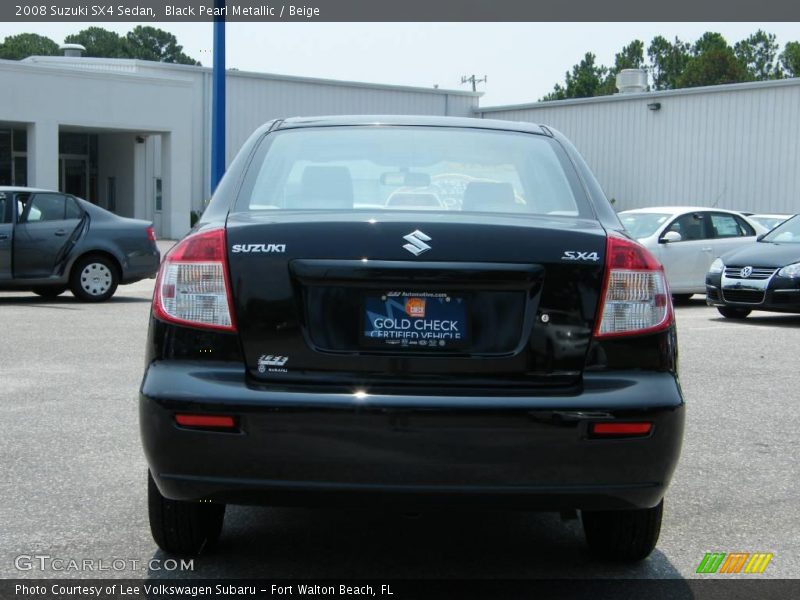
678	209
773	215
19	188
344	120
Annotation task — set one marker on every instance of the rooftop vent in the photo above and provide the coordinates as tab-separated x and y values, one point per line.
632	81
72	50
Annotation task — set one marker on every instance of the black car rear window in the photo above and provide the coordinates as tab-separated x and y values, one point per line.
393	168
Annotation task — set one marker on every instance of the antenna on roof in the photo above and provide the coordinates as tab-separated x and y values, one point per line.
718	197
473	80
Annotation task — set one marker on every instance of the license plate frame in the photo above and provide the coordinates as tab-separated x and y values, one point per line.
415	321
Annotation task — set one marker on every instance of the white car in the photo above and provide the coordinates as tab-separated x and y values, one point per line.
687	239
770	221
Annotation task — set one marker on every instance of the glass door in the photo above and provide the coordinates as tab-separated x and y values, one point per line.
74	175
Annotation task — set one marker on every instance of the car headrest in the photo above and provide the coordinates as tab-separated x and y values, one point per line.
489	196
325	187
414	199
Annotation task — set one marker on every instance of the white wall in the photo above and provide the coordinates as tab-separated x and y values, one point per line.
734	145
116	159
48	96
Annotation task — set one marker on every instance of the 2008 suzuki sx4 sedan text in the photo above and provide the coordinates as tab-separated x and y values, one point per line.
411	311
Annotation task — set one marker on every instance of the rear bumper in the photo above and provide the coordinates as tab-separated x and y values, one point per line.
141	265
298	448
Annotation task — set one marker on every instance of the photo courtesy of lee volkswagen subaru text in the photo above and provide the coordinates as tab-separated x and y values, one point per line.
411	311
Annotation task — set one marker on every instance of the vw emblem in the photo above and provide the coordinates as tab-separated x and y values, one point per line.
416	242
746	272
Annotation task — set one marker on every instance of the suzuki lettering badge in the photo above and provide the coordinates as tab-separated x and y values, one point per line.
416	242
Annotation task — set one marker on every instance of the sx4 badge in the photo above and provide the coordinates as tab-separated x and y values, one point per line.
272	363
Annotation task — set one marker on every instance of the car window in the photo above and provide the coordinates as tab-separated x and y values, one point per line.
5	208
690	226
726	226
787	232
642	225
745	226
73	211
412	168
22	201
45	207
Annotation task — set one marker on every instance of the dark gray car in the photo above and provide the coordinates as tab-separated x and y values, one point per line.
50	241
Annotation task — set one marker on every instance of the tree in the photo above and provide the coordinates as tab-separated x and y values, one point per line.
100	43
713	62
758	53
17	47
790	59
149	43
584	81
667	61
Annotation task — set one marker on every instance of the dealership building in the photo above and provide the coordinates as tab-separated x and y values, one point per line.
134	136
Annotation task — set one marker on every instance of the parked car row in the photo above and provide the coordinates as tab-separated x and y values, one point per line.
688	239
742	262
51	242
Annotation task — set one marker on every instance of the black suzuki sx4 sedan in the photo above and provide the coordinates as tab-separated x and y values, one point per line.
407	312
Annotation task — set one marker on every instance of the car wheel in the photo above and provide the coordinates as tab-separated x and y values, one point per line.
49	291
94	279
733	313
681	298
623	535
183	528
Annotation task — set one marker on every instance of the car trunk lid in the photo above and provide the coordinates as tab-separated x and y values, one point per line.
464	301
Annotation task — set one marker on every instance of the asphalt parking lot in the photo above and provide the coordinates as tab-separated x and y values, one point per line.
73	474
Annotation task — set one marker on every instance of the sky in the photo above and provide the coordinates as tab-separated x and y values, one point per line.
521	60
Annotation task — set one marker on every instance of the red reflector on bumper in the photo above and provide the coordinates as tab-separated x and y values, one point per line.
208	421
620	428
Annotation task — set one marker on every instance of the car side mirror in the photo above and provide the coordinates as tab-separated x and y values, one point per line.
670	237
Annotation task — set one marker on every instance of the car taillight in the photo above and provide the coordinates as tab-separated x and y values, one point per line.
192	286
635	295
151	234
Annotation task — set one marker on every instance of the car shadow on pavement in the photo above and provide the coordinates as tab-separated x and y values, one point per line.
284	543
65	301
765	320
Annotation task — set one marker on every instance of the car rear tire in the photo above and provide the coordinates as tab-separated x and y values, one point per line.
182	528
681	298
623	535
94	279
733	313
49	291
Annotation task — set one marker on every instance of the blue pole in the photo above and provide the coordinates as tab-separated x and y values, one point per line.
218	101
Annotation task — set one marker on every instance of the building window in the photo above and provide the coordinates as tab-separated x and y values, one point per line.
20	170
13	156
20	140
73	143
6	164
111	194
158	194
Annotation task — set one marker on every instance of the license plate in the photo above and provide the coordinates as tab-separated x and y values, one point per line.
421	321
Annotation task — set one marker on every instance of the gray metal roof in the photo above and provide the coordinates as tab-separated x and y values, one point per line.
709	89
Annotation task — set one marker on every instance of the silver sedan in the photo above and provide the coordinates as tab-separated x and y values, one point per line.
687	239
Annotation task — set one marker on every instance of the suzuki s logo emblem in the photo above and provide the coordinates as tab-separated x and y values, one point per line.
416	242
746	272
